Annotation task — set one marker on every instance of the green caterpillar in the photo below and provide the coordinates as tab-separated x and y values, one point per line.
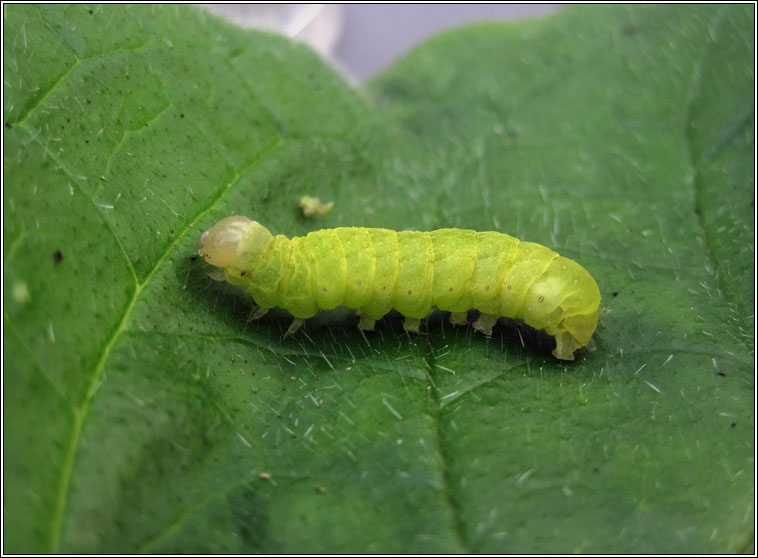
375	270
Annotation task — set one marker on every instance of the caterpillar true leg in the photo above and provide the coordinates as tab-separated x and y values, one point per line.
294	326
458	318
217	275
484	323
258	313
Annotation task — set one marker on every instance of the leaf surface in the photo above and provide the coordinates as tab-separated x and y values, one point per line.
144	413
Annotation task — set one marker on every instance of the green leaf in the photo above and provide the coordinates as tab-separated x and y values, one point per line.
143	413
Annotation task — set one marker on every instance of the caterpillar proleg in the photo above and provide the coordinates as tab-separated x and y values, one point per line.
375	270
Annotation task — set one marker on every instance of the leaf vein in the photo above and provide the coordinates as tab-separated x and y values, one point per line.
56	526
695	161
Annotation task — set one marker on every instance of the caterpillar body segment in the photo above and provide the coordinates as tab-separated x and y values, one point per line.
375	270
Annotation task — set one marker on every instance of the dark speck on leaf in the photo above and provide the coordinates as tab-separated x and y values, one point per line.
193	258
615	293
630	30
58	256
734	424
91	12
721	373
181	115
8	125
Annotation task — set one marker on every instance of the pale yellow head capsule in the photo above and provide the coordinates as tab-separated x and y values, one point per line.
218	245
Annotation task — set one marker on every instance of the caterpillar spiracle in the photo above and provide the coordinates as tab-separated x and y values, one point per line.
375	270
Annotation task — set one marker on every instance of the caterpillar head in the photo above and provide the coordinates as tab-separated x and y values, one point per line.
235	243
218	245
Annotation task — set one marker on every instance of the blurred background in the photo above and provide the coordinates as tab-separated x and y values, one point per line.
363	39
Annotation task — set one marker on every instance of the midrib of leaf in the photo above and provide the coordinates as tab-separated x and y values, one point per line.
82	411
